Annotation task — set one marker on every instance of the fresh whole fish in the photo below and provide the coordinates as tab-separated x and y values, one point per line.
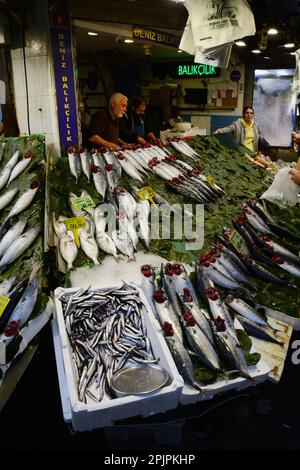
100	182
11	235
245	310
23	202
86	161
149	285
111	159
74	163
68	248
259	331
106	244
166	314
89	245
128	168
20	167
6	285
19	317
18	247
5	173
183	361
7	197
14	295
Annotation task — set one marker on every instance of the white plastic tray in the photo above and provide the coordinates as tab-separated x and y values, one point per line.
294	322
96	415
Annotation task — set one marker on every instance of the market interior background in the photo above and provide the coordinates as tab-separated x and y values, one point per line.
266	416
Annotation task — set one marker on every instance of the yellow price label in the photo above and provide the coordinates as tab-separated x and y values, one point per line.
210	179
146	193
238	242
4	301
82	202
74	224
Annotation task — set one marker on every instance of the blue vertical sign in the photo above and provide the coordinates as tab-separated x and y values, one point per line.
65	86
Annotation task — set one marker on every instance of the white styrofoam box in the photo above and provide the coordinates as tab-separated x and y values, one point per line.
294	322
275	354
164	135
96	415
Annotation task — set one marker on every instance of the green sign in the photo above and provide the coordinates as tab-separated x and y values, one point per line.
197	70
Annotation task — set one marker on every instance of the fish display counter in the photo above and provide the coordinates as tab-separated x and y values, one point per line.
103	206
24	307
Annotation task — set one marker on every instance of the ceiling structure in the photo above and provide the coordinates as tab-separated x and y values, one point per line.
114	20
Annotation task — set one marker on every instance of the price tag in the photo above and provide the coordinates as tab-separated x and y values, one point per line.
4	301
146	193
238	242
73	224
210	179
84	202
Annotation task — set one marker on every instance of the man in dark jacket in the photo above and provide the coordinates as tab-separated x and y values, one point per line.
135	126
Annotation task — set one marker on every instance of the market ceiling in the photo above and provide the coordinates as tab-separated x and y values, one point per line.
171	16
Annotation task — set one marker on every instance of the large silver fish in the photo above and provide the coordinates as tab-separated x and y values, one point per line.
7	197
5	173
23	202
19	317
18	247
20	167
11	235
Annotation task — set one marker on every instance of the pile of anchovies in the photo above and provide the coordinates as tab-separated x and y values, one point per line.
107	332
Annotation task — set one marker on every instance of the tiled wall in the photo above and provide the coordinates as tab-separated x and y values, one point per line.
40	81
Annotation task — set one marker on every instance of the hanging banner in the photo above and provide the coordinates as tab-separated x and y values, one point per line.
65	86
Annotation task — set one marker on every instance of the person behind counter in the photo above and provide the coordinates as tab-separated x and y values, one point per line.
135	126
245	131
104	127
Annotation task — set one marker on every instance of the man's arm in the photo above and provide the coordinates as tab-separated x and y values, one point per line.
100	142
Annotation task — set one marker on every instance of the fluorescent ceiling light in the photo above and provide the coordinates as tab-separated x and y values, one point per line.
128	41
240	43
272	31
292	53
179	51
267	57
91	33
289	45
256	51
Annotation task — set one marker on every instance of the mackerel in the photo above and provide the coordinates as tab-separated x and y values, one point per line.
11	235
7	197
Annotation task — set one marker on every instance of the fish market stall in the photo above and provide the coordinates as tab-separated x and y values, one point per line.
25	307
206	303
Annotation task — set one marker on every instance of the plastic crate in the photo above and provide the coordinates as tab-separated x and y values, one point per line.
89	416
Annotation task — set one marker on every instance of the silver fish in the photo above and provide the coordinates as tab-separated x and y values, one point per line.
7	197
5	173
11	235
74	164
20	167
18	247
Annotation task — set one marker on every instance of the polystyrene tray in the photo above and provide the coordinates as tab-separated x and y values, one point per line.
95	415
294	322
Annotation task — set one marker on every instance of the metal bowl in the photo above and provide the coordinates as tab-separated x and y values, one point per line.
138	379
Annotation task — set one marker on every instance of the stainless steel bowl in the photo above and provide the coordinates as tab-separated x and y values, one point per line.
138	379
